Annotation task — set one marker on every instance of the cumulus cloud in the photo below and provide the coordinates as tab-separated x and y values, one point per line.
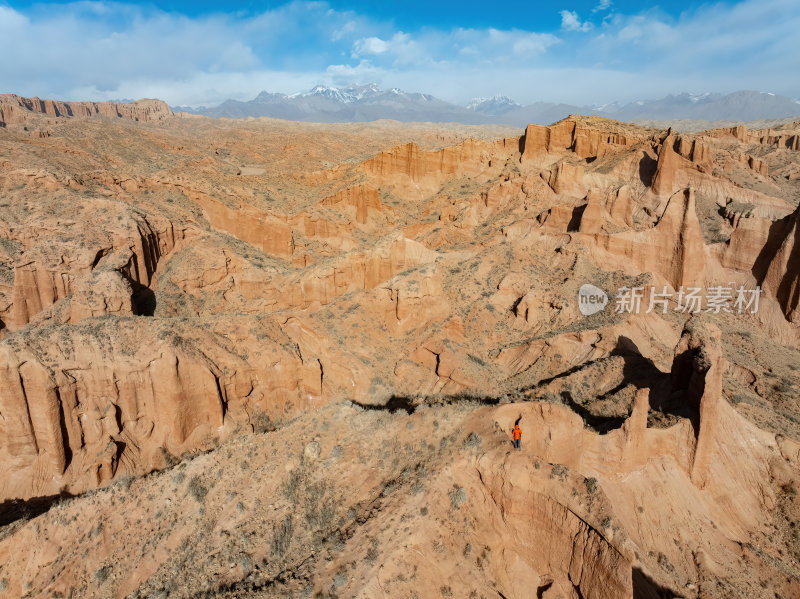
370	45
347	28
400	48
571	22
101	50
603	5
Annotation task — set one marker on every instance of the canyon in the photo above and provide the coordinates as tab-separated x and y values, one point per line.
246	358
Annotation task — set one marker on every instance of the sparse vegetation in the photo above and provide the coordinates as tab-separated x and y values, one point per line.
282	537
262	423
559	471
103	574
197	489
457	497
473	440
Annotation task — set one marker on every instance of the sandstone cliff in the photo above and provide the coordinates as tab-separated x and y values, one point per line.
16	109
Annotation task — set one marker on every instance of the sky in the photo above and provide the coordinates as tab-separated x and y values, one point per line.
574	51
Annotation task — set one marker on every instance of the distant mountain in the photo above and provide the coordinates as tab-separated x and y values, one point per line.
738	106
496	106
351	103
357	103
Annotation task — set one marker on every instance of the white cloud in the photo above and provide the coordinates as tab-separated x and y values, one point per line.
522	43
11	20
400	46
603	5
103	50
348	28
370	45
571	22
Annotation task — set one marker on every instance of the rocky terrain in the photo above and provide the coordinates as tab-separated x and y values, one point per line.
257	358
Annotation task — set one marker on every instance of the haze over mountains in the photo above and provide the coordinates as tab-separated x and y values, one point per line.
369	102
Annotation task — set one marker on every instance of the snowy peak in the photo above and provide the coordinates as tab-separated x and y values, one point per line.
358	103
353	103
493	106
346	95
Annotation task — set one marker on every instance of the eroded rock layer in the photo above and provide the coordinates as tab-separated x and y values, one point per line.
350	320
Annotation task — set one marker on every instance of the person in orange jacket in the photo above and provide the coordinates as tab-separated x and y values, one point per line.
516	432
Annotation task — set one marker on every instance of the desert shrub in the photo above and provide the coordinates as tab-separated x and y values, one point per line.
473	440
169	459
476	359
102	574
559	471
457	497
591	485
664	562
340	579
290	488
197	489
784	386
372	552
262	423
282	537
320	506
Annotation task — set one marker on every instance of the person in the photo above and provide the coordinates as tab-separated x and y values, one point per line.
517	434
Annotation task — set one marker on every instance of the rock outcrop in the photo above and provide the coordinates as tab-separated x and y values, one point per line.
362	200
754	164
567	179
16	109
777	267
664	178
121	401
131	249
785	136
415	163
697	370
569	136
674	248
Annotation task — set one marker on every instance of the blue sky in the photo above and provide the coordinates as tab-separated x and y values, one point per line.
576	51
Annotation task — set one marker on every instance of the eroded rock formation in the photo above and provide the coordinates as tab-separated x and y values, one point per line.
16	109
388	315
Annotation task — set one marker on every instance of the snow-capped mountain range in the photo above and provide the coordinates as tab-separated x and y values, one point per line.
493	106
353	93
369	102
